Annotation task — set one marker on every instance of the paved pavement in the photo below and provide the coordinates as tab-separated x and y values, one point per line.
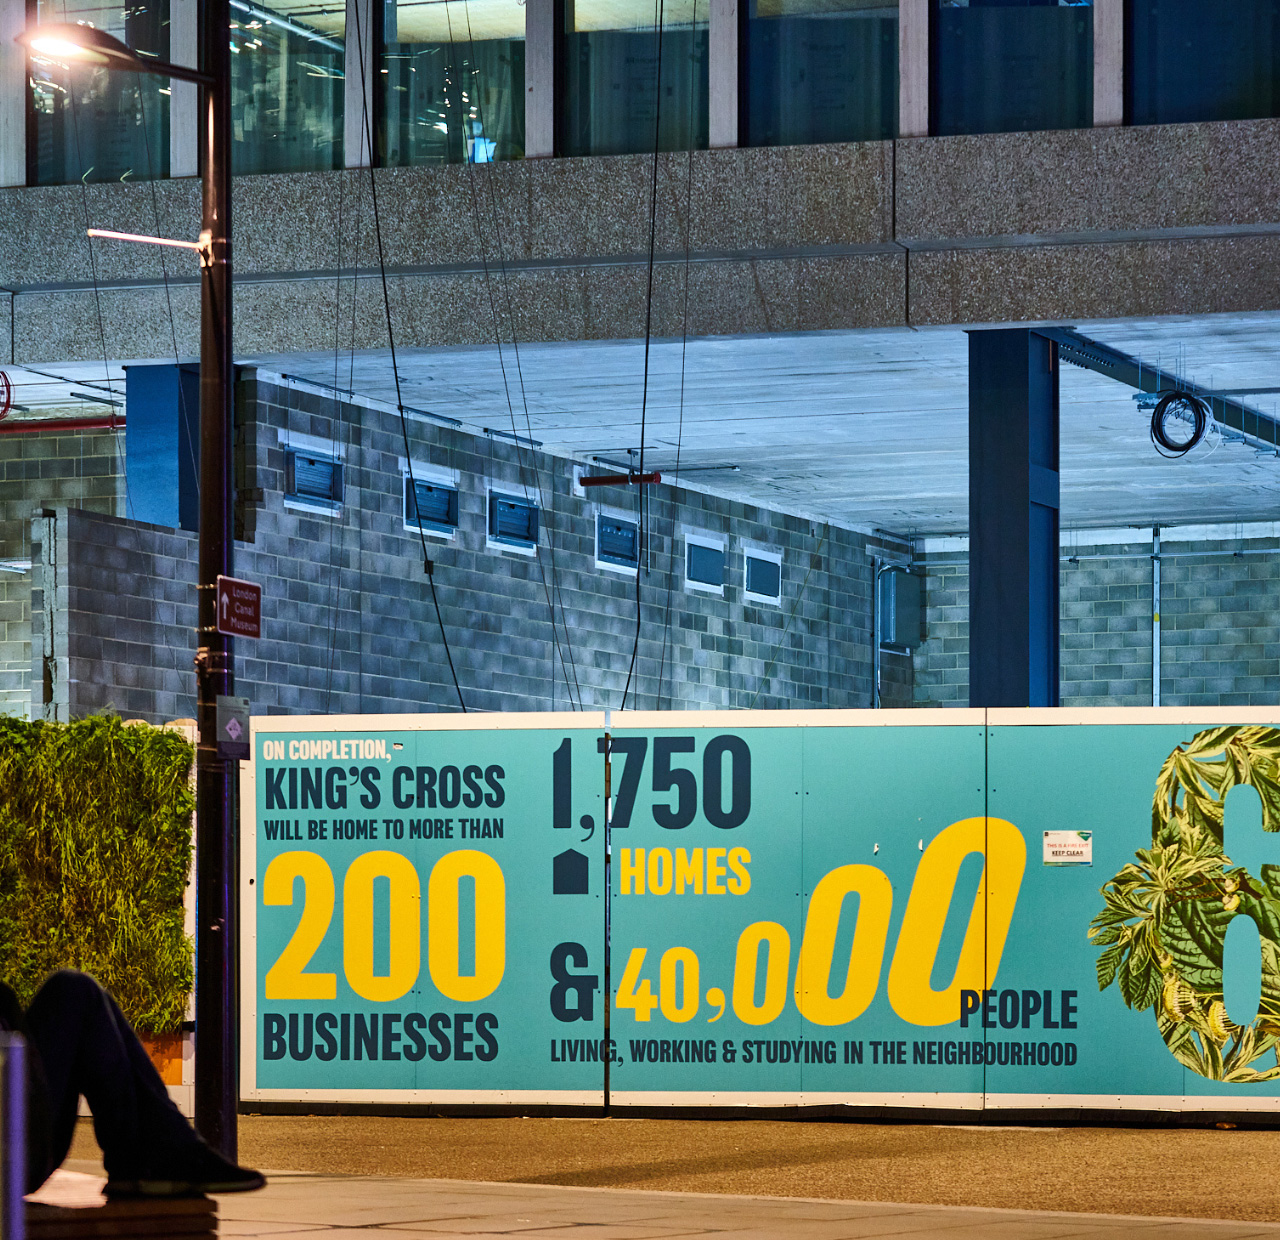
297	1206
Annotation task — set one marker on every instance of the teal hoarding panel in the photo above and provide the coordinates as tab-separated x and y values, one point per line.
419	927
793	960
706	913
875	799
804	911
1099	779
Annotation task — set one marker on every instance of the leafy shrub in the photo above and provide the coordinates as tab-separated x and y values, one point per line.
95	850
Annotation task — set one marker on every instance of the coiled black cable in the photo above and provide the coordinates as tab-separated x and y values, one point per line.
1182	406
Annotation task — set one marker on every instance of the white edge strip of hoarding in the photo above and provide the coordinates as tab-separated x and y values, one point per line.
668	721
437	721
787	1098
1131	1102
248	926
594	721
939	1101
1175	716
525	1097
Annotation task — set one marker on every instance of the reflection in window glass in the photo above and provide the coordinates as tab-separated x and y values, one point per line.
92	122
999	66
286	85
452	81
614	101
1192	61
821	71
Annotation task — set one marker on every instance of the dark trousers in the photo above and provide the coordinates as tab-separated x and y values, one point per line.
86	1046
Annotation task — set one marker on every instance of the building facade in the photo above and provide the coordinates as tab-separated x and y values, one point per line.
497	176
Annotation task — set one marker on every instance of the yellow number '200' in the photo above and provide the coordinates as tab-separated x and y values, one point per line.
288	978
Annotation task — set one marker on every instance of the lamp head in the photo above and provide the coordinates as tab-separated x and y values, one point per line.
83	44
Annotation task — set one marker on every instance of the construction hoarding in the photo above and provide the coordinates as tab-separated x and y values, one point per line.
948	909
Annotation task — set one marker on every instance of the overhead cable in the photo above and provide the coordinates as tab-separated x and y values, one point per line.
427	566
527	441
684	350
1183	407
648	331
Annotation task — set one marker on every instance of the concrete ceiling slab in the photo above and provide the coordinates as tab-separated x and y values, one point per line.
868	428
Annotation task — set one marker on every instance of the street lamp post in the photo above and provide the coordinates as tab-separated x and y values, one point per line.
215	1090
216	1094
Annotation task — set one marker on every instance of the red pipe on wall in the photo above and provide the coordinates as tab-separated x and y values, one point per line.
62	424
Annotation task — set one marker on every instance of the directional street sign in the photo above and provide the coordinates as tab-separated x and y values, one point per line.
239	607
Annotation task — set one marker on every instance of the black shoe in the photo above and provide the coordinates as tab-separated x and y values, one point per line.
201	1171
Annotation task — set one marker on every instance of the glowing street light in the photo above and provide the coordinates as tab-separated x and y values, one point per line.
83	44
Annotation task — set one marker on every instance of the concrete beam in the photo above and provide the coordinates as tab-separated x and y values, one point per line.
724	52
540	40
1108	62
13	94
184	98
361	74
913	68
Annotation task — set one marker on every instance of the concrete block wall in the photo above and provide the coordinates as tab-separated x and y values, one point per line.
1105	651
348	619
15	642
1219	601
80	469
941	661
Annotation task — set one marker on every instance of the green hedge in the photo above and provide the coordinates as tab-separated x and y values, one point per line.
95	849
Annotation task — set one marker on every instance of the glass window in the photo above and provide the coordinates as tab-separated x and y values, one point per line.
452	81
614	103
313	479
704	564
764	578
821	71
435	506
617	542
999	66
1191	61
900	604
95	123
512	520
287	65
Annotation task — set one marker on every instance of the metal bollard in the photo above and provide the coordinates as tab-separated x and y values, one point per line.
13	1134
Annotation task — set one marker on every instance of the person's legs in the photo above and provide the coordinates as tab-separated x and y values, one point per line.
40	1164
89	1048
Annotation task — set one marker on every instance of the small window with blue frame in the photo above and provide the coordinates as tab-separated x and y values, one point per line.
313	479
763	577
704	563
431	505
617	542
513	521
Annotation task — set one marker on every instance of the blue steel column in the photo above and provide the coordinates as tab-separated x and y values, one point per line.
1013	519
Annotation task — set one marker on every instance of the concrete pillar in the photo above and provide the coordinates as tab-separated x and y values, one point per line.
361	68
1108	62
1013	519
724	51
13	94
913	68
184	97
540	40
